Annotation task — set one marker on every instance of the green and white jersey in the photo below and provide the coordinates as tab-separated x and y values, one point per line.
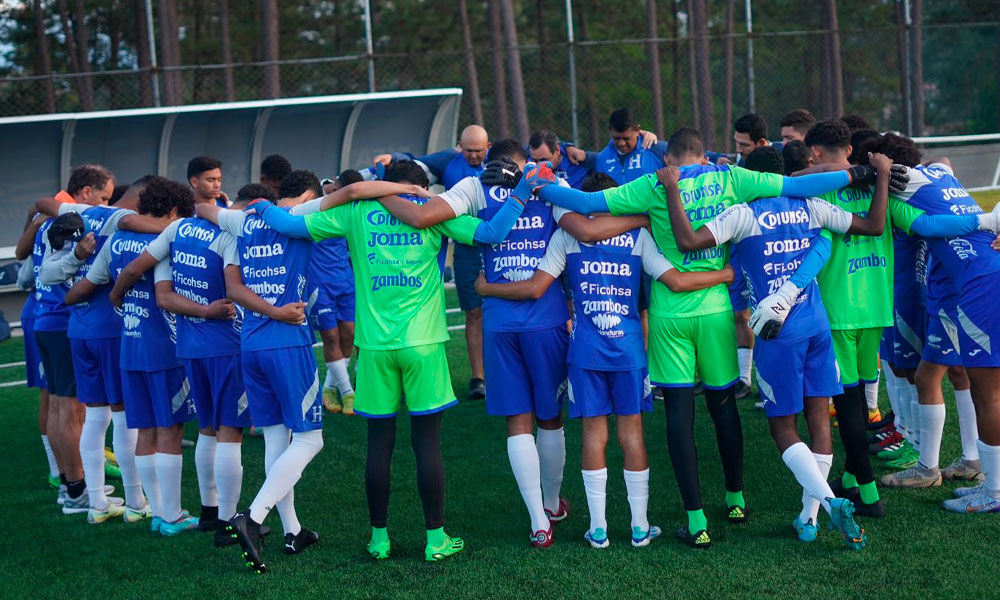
397	279
706	191
856	282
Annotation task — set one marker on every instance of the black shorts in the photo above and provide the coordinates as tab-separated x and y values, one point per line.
57	360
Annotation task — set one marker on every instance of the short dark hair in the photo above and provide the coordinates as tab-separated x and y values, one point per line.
349	176
684	142
899	148
800	119
252	191
765	159
855	122
407	171
94	176
117	194
622	119
596	182
299	182
506	147
544	136
857	140
200	164
829	133
275	167
161	195
753	125
795	155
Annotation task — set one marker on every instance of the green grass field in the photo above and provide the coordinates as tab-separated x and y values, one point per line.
918	550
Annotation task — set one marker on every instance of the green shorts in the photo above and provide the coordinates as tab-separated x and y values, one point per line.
418	374
857	354
678	347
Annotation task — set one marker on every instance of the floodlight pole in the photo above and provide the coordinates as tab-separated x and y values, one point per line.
750	72
572	69
908	66
369	45
155	79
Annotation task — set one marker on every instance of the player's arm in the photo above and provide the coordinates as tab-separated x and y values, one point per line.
596	229
816	184
695	280
364	190
208	211
26	243
26	275
168	299
59	268
686	237
293	313
530	289
132	273
80	292
282	221
418	216
874	222
141	224
98	274
49	206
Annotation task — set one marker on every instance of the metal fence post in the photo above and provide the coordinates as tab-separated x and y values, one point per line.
155	79
750	72
369	46
572	70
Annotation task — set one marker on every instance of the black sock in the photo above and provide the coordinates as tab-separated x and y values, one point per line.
209	513
852	419
426	442
679	403
381	441
62	479
728	434
74	489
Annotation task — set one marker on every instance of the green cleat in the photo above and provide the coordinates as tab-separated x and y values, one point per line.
842	519
452	545
111	470
737	514
54	482
896	452
905	460
379	547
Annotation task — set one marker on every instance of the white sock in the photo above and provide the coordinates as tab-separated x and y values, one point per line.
551	445
810	505
871	395
123	442
800	461
228	477
967	424
524	463
336	376
284	473
276	440
95	427
916	441
50	456
204	464
931	431
908	423
168	473
990	457
145	466
744	357
595	483
891	386
637	489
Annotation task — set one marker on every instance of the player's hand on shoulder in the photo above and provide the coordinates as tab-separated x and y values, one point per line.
996	243
880	161
723	160
576	155
481	282
649	139
668	175
220	309
729	272
382	159
85	248
293	313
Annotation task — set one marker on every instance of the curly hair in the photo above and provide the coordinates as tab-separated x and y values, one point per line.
829	133
407	171
299	182
275	167
252	191
162	195
94	176
899	148
596	182
766	159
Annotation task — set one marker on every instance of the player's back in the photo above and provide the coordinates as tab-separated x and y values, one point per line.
96	317
51	312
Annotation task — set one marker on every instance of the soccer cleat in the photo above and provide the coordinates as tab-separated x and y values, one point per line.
61	495
477	388
759	405
209	518
741	390
247	533
698	539
134	515
980	502
112	471
54	482
256	433
560	514
542	538
837	485
73	506
109	456
642	538
875	510
903	448
295	544
222	535
379	550
874	416
597	538
187	443
737	514
914	477
187	522
155	524
905	460
962	492
887	419
114	509
887	441
807	531
348	401
966	470
331	400
842	519
452	545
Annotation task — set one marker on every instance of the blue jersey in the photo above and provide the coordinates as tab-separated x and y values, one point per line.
574	174
604	277
934	190
51	312
97	317
910	270
275	267
941	291
331	265
772	236
624	168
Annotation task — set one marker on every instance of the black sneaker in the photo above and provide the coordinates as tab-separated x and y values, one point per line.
742	390
223	537
209	519
699	539
886	420
295	544
247	533
737	514
477	389
852	494
875	510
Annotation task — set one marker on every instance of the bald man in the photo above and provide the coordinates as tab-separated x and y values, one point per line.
447	168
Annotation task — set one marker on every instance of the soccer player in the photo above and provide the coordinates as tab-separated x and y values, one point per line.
855	122
750	133
159	400
796	156
204	175
796	370
626	158
796	124
272	170
544	146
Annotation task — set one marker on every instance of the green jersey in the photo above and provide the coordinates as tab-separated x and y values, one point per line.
706	191
856	282
397	279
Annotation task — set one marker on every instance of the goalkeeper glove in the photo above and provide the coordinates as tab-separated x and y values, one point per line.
535	176
771	312
899	177
502	172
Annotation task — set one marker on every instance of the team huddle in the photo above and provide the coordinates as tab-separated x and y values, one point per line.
160	303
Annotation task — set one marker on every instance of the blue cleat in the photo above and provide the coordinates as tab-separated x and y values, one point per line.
807	531
842	519
642	538
155	524
185	523
597	538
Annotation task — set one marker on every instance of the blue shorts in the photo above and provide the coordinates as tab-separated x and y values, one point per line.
739	293
601	393
33	369
527	370
329	305
57	362
979	322
942	345
283	387
98	376
787	373
885	351
467	263
217	388
157	398
908	336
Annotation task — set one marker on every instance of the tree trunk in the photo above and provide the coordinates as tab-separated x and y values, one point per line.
654	68
499	74
83	49
676	58
699	19
836	89
470	64
227	51
198	76
727	113
917	73
540	34
71	54
114	25
272	75
168	37
586	79
142	54
514	64
44	60
906	118
692	67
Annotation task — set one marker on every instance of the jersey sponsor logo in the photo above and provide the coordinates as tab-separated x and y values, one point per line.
189	282
705	213
588	287
634	162
966	209
266	288
606	325
198	233
706	254
770	219
397	280
190	260
605	306
603	267
395	239
498	194
952	193
263	251
935	172
625	240
948	351
252	273
777	268
528	222
779	246
519	245
962	247
864	262
119	246
252	225
193	296
975	352
853	195
700	193
381	218
933	338
130	321
517	265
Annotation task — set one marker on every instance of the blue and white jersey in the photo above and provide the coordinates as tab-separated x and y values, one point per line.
458	169
149	336
51	312
934	190
772	236
942	295
275	267
604	277
574	174
624	168
330	266
193	252
26	282
910	269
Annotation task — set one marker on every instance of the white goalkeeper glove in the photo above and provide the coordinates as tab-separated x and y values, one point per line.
990	221
771	312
